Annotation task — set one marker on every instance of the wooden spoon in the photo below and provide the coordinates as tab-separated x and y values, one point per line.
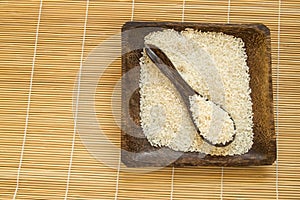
164	64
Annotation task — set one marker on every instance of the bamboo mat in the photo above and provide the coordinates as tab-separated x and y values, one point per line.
43	45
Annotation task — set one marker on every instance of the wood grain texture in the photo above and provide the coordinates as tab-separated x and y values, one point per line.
50	127
257	44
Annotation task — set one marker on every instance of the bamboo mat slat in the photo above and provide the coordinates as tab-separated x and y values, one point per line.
46	158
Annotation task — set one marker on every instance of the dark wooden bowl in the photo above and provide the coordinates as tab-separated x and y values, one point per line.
137	151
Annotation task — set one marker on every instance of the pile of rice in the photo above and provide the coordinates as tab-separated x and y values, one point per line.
214	65
214	123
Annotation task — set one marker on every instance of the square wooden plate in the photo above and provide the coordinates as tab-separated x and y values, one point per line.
137	151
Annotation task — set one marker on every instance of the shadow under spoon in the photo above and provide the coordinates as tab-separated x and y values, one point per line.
164	64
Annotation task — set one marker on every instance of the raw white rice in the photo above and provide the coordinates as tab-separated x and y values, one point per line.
214	64
213	122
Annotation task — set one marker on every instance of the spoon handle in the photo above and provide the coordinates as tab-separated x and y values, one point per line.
167	68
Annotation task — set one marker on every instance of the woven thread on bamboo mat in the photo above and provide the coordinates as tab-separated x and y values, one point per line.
56	57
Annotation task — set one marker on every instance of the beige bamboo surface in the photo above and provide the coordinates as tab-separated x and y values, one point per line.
49	133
